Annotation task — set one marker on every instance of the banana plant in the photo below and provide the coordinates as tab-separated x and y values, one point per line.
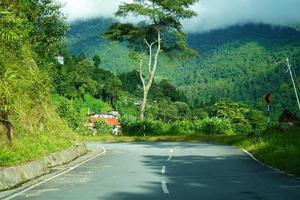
7	35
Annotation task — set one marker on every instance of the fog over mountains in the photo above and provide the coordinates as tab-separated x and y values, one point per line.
212	14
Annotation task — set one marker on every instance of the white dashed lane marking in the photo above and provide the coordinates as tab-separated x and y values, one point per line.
164	187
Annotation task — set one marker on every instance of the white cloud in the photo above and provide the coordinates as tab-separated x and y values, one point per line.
89	9
215	14
212	14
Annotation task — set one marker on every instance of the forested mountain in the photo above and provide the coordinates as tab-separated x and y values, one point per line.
243	63
240	63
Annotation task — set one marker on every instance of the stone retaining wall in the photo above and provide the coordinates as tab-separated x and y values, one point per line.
11	177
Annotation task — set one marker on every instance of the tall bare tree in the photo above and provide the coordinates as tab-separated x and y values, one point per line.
159	29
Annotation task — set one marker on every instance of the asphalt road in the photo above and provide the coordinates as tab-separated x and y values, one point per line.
163	171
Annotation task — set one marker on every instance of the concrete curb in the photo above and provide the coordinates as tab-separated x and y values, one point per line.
54	173
14	176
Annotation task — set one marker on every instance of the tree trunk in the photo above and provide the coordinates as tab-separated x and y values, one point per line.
8	125
144	103
152	66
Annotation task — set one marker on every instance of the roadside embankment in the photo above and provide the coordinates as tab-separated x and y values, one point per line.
13	176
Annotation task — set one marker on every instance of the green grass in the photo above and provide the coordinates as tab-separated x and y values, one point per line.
30	148
273	147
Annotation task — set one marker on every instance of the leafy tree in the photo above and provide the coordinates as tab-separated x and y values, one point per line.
96	60
171	91
182	109
161	30
245	118
112	90
66	110
81	77
131	82
48	25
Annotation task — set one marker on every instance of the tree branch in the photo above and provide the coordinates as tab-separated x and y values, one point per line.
155	60
154	17
150	55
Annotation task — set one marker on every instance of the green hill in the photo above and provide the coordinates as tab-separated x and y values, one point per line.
239	63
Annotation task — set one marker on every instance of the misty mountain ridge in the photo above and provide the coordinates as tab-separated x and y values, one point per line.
204	41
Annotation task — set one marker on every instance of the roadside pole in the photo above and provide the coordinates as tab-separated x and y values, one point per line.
268	114
292	77
268	99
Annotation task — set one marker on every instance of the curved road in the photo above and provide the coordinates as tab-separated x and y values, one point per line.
163	171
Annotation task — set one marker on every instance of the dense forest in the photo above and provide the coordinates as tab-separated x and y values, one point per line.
241	63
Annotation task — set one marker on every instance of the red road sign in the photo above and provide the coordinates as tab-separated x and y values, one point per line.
268	98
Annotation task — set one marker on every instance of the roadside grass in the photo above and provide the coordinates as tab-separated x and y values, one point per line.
32	147
273	147
276	148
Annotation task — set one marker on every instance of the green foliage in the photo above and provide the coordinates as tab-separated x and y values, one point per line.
96	60
81	78
181	127
66	111
237	63
75	111
102	127
244	118
93	104
135	126
166	110
48	26
160	17
215	125
33	147
31	33
10	26
171	91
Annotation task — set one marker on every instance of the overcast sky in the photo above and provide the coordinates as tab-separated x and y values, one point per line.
212	14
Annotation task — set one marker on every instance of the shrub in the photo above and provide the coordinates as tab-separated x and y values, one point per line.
131	125
215	125
66	111
180	127
85	132
244	118
135	126
102	127
155	127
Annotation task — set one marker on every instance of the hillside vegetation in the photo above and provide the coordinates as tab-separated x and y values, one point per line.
239	63
29	124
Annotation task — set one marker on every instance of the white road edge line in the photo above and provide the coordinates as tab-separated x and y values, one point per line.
163	169
53	177
164	187
278	170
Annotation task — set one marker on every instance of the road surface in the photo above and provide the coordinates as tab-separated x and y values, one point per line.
168	171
